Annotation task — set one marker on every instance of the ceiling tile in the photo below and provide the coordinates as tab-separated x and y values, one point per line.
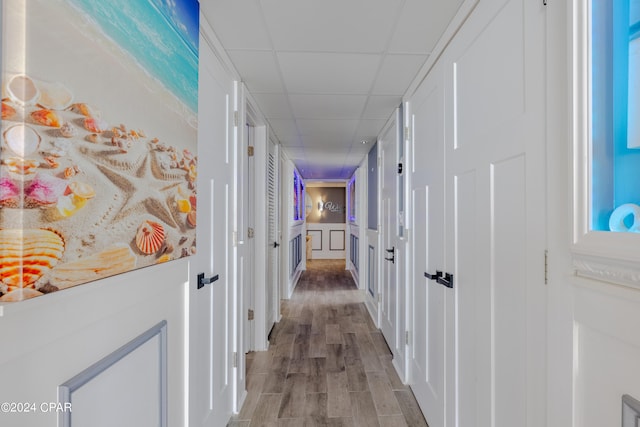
421	24
327	127
305	72
295	152
249	32
286	131
323	143
327	106
320	171
273	105
369	130
258	69
381	107
397	73
357	153
331	25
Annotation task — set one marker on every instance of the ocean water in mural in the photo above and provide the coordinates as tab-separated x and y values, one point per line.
161	35
99	140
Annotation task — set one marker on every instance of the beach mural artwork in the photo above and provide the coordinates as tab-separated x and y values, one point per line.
98	140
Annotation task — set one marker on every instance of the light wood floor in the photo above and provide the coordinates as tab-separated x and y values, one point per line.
327	364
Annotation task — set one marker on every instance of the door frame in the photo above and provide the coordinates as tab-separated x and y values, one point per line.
258	139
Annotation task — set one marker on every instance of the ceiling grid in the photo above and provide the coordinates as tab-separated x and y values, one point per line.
328	74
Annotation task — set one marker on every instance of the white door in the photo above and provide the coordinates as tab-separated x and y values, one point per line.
273	242
429	300
373	220
388	283
211	306
495	210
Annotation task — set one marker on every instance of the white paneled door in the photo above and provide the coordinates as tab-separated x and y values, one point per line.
211	306
495	216
388	283
429	301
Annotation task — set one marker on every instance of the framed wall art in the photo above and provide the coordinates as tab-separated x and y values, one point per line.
99	140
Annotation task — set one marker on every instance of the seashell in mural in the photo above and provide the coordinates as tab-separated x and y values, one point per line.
82	190
22	139
68	130
184	205
9	192
74	198
187	154
22	90
46	117
52	161
21	166
150	237
71	171
113	260
20	294
26	254
45	189
191	219
54	96
93	137
85	110
95	125
163	258
7	111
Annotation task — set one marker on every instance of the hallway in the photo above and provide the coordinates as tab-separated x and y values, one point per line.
327	363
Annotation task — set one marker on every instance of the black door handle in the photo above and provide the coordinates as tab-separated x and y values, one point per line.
393	257
446	281
433	276
205	280
276	244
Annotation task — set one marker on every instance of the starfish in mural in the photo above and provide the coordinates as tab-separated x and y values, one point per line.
142	188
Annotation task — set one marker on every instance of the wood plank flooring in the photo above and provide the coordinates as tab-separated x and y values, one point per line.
327	364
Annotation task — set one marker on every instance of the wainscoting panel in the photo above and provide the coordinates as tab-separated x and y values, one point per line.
128	387
328	240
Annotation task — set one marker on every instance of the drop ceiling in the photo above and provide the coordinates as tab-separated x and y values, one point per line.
328	74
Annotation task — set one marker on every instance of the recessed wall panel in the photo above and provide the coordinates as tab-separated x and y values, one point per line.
491	71
508	237
467	287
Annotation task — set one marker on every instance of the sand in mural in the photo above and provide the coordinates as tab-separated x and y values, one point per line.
99	135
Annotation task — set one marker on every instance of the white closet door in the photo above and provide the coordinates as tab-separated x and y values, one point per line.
211	307
495	210
272	236
388	282
428	298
